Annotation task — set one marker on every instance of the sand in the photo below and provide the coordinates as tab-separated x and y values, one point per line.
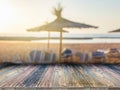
81	47
23	48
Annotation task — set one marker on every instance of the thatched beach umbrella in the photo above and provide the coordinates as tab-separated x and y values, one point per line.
116	31
59	23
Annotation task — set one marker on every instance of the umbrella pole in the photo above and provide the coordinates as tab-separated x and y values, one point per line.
48	40
60	50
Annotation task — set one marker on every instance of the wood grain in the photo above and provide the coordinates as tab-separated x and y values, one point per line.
61	76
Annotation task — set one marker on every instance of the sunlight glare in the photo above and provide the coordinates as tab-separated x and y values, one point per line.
7	15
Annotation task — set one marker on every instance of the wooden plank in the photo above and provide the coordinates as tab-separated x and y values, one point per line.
45	77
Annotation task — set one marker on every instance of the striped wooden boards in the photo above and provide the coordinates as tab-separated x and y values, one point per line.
84	77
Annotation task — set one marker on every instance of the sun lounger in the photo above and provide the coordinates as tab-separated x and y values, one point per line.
33	57
113	56
98	57
66	53
113	50
49	57
80	56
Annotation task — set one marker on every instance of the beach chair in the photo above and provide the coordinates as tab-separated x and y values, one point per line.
50	57
67	55
36	56
66	52
113	56
98	57
113	50
47	56
80	56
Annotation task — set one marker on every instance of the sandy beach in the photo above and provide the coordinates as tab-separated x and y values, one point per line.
20	46
10	49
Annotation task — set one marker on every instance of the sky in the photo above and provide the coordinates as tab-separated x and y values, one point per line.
16	16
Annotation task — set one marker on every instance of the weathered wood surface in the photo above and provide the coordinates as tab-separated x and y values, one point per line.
84	77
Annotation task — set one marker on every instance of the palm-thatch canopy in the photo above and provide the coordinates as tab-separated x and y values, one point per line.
50	29
60	22
117	31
